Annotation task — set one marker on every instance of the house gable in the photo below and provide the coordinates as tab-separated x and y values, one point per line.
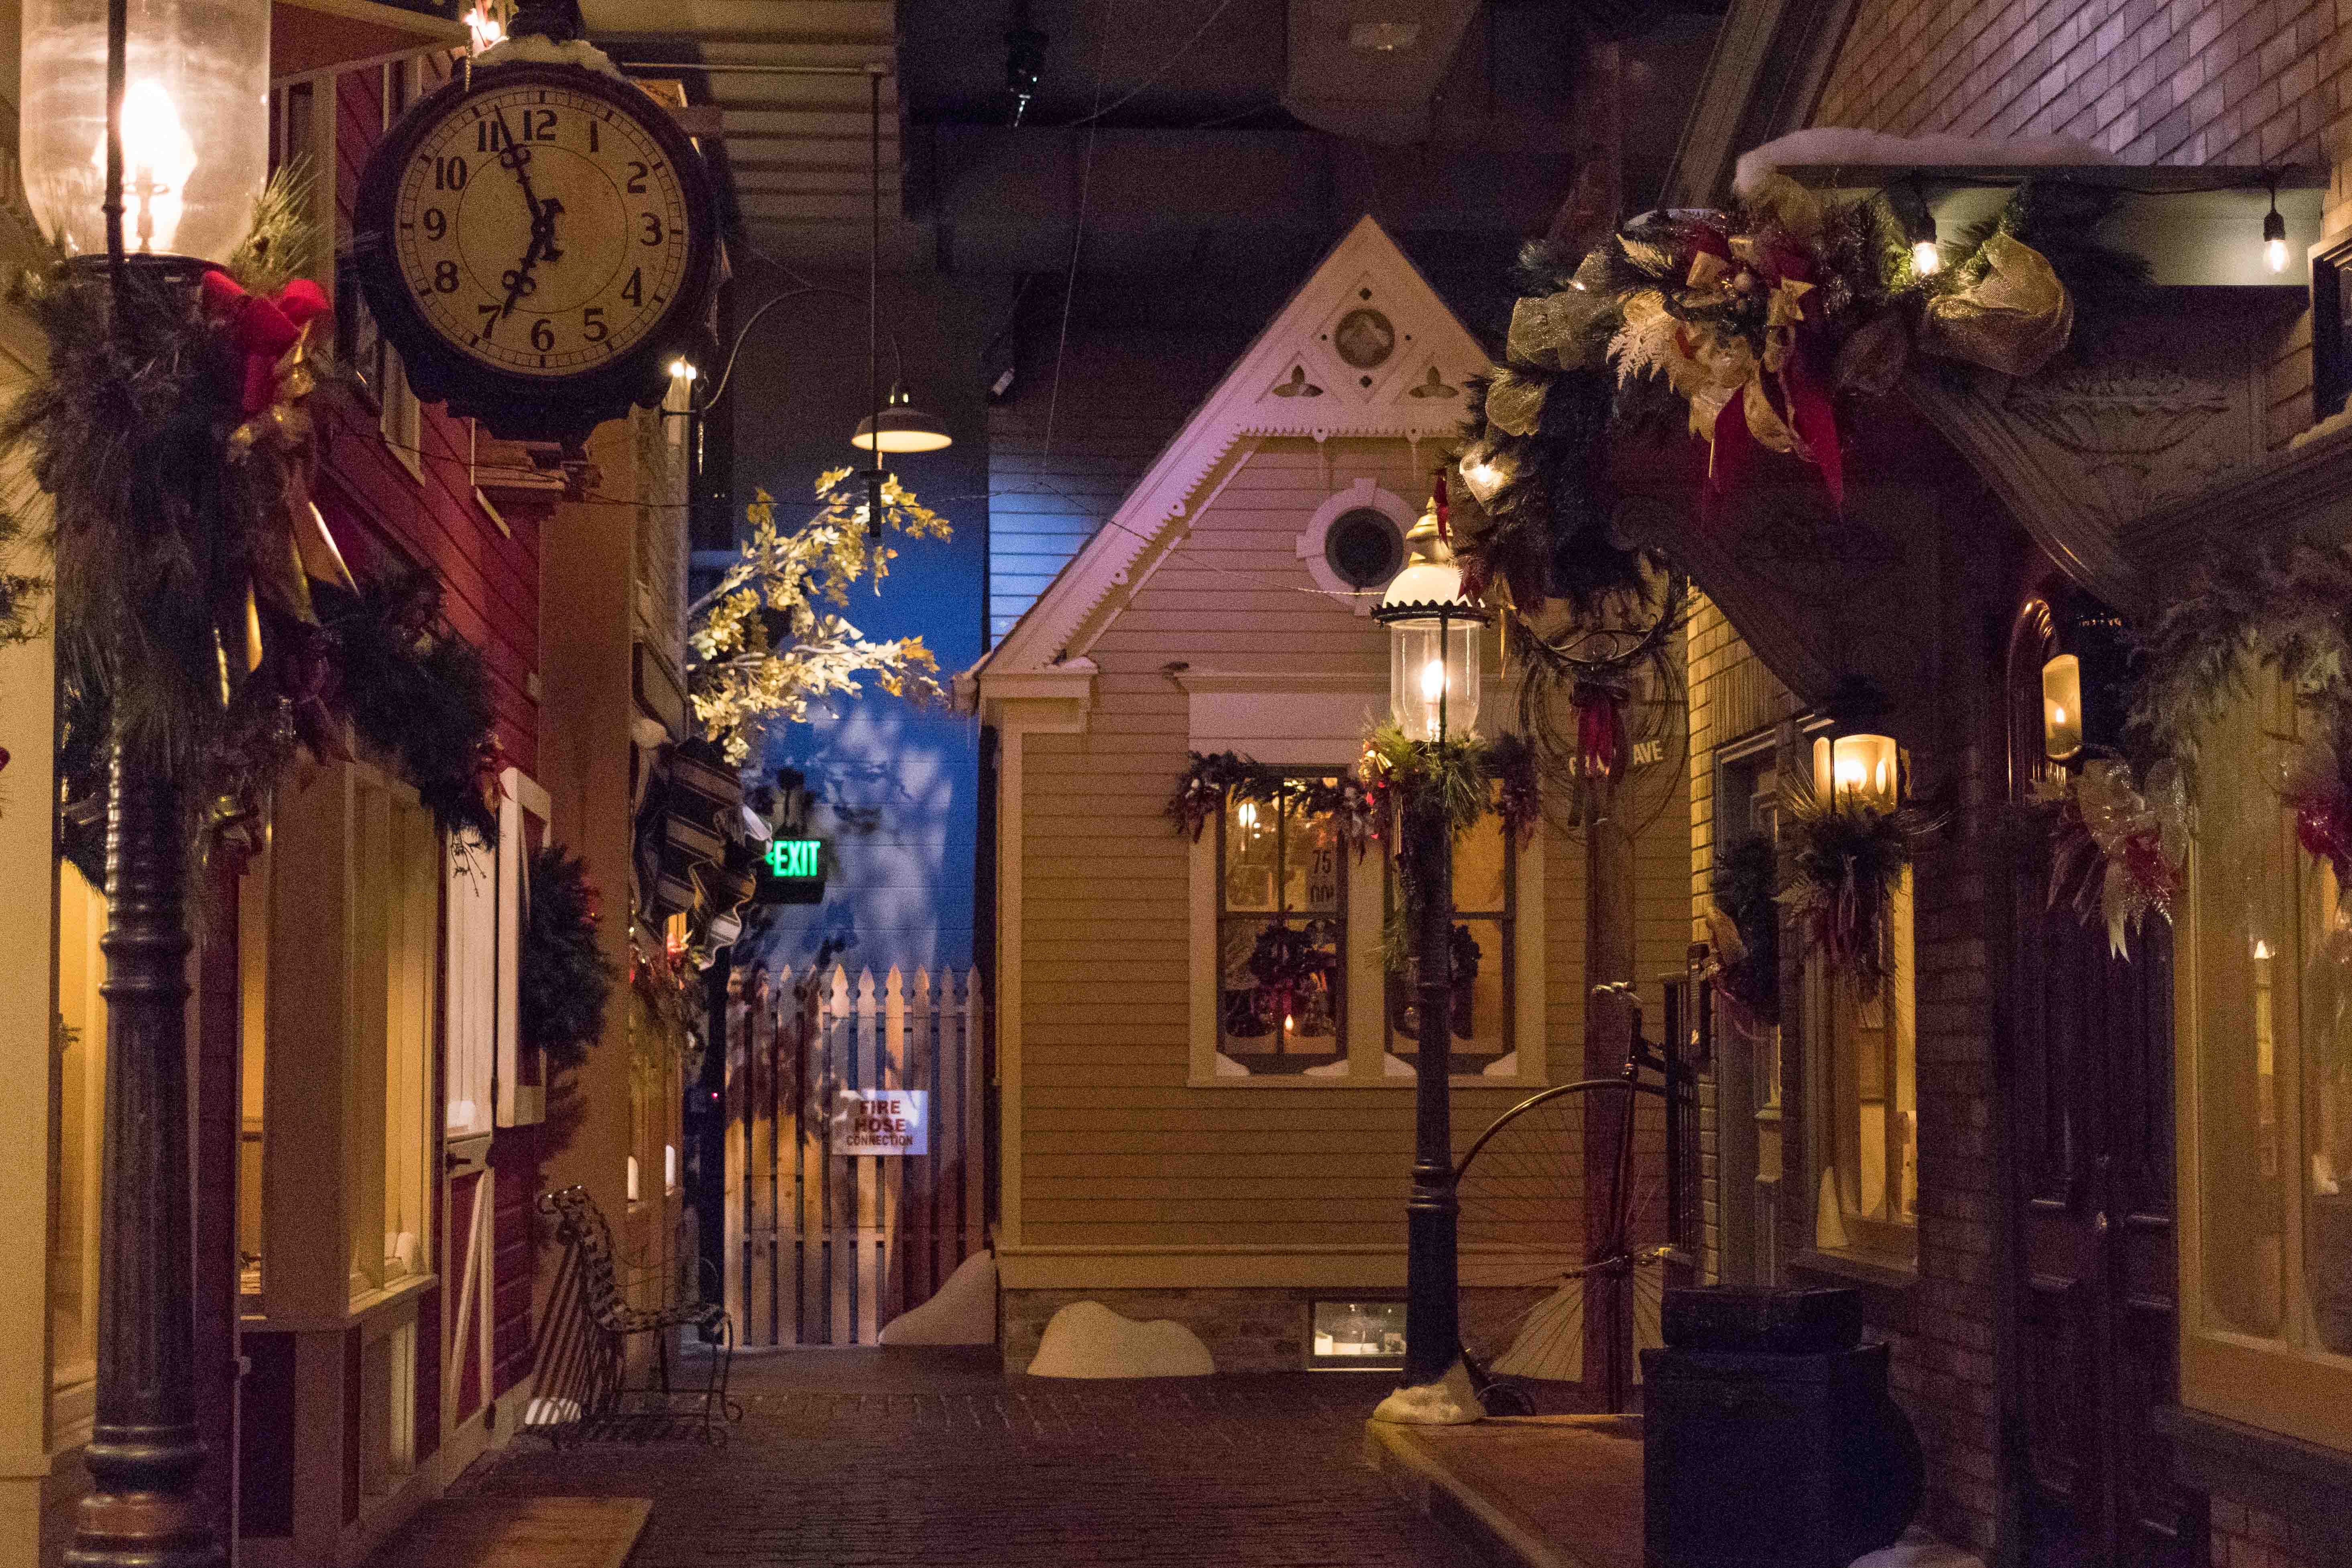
1365	348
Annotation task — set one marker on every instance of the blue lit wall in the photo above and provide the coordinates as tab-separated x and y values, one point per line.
897	785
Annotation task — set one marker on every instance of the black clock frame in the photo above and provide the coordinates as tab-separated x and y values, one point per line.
525	407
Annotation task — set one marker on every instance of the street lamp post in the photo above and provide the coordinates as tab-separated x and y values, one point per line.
145	148
1434	696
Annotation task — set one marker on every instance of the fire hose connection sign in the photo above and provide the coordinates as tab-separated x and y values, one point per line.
882	1121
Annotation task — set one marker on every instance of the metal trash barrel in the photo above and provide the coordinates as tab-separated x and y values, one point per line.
1768	1437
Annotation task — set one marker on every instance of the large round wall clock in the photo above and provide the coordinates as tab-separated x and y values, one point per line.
537	242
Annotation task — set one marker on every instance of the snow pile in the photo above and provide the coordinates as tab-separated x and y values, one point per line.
962	1312
1835	147
2326	429
1917	1549
1086	1338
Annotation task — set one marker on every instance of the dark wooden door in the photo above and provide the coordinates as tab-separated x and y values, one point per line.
2088	1098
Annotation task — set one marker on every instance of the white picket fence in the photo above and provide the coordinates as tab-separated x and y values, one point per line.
825	1246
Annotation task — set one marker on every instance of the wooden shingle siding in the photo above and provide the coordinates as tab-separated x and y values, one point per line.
2258	83
1117	1150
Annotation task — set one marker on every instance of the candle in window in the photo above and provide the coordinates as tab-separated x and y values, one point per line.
2062	706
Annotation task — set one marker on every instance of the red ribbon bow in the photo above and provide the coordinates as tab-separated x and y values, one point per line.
1600	730
263	329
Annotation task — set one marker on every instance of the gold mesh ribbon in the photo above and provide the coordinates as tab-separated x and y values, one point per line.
2012	319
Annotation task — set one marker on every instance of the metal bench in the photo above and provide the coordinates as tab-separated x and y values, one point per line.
581	1362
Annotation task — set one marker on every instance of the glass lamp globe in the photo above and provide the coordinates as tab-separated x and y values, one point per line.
1858	770
196	123
1433	640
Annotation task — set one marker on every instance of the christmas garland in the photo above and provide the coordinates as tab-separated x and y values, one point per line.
1849	858
562	979
1757	319
205	621
2287	610
1212	780
2118	853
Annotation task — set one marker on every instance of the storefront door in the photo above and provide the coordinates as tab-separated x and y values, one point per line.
2085	1079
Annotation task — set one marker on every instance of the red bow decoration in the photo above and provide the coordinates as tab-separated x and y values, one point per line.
1443	504
262	328
1600	730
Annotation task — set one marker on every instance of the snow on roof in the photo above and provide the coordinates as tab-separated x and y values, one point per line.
1834	146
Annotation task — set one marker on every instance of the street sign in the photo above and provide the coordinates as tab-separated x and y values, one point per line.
894	1122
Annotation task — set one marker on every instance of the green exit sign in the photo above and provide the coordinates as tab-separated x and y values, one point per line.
794	858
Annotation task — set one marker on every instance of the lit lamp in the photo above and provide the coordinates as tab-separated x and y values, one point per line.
901	426
2274	235
196	123
1485	471
1433	640
2062	708
1863	770
1434	694
146	144
1909	204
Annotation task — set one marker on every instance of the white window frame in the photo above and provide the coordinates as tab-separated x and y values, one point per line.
1317	723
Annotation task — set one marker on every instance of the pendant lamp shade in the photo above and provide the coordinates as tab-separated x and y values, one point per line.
902	427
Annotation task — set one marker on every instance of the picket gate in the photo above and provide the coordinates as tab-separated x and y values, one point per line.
824	1247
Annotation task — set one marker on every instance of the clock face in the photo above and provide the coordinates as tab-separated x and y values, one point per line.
540	227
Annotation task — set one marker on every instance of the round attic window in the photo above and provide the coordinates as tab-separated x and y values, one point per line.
1363	547
1365	338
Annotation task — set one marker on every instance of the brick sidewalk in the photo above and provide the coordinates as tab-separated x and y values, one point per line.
867	1460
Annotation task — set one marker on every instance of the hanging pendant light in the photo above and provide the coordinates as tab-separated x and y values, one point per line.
902	426
897	425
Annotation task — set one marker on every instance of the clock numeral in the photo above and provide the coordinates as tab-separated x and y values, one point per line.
592	324
539	125
489	314
634	290
449	174
542	334
436	224
489	135
653	228
637	186
445	278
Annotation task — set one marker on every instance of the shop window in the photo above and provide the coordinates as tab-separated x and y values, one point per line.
1282	930
252	1058
79	1045
397	870
2265	1109
1486	921
1867	1055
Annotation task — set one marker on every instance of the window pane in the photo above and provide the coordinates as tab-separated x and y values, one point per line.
1277	988
1253	855
1478	866
1869	1177
2246	876
2327	1110
1481	1017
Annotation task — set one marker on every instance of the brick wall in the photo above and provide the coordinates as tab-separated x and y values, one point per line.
2249	1537
2248	82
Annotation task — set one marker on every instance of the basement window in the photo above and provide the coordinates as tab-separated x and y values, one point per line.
1355	1335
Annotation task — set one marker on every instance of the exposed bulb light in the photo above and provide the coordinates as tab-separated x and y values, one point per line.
2274	236
1926	257
682	369
1433	680
485	28
1907	200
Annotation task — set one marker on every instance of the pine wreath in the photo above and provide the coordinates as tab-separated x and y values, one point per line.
564	980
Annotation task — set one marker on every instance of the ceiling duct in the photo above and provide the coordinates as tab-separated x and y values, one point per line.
1369	70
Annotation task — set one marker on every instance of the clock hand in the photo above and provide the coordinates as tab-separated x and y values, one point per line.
523	282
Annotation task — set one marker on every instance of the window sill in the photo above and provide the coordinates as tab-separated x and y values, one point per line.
1888	1287
369	1304
2310	1485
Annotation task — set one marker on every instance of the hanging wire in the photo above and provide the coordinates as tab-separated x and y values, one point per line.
1164	66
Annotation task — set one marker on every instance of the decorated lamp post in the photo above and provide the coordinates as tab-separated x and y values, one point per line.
1434	696
145	148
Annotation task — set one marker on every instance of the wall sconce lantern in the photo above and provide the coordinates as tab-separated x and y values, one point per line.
2084	685
1854	764
196	123
1433	640
1865	769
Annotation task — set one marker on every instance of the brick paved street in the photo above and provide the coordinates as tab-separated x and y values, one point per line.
859	1459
